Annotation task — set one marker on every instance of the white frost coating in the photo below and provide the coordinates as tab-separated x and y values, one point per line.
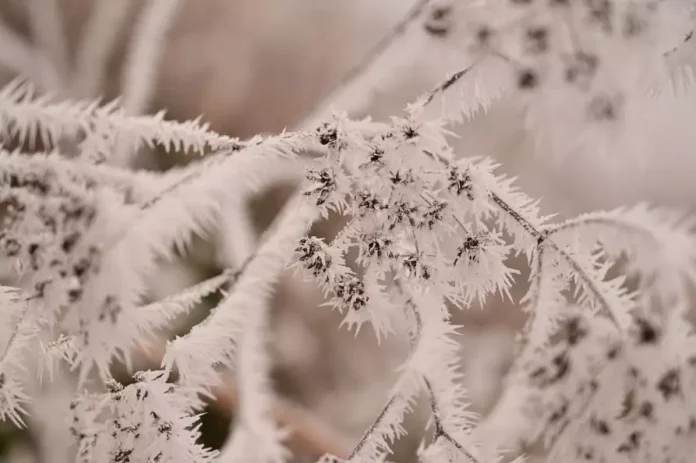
211	343
606	364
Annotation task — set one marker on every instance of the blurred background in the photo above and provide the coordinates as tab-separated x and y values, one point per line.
261	66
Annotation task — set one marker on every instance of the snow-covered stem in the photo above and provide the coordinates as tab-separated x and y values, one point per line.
416	376
26	114
543	241
307	431
139	187
213	342
50	39
427	233
444	86
256	435
18	56
98	41
440	431
145	53
351	78
440	427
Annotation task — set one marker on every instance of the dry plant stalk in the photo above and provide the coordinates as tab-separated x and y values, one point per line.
604	371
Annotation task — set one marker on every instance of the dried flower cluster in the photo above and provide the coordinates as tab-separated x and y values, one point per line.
605	368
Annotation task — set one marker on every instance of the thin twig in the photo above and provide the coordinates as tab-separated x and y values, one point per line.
581	221
15	333
142	63
213	159
307	431
96	46
527	225
18	56
368	433
323	108
687	38
393	399
145	53
379	49
543	240
439	426
50	39
444	86
534	291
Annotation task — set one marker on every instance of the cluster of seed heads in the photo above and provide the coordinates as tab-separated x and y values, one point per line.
540	41
346	287
642	404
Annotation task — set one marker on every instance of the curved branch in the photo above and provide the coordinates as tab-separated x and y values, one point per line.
145	54
439	426
96	45
440	429
370	430
367	62
49	36
18	56
543	239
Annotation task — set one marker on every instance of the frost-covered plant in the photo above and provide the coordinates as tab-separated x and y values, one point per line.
605	365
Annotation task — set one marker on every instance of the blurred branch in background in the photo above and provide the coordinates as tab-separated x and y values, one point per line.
309	434
261	66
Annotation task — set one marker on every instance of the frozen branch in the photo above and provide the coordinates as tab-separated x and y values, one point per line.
98	41
20	57
145	53
352	79
50	40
